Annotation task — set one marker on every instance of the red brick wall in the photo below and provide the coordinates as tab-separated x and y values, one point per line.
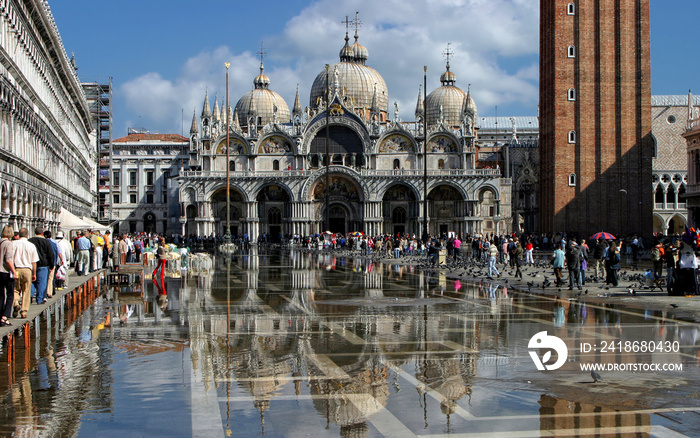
611	116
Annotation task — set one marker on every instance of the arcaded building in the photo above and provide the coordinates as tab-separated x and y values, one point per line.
595	117
692	137
47	146
374	178
671	115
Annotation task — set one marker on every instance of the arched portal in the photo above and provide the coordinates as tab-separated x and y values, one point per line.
344	202
274	213
149	222
237	207
446	210
489	207
676	225
400	210
191	213
337	217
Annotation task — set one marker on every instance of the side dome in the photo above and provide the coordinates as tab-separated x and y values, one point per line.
355	80
448	100
262	103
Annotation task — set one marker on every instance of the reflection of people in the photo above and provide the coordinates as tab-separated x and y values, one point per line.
161	255
162	294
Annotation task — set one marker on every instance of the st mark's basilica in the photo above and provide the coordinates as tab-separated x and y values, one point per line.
280	184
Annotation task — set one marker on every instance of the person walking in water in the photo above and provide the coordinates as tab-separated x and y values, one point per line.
492	251
161	260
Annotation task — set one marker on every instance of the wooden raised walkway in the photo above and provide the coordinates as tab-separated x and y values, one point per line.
77	288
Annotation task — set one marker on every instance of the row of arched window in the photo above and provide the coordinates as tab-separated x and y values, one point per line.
671	194
232	165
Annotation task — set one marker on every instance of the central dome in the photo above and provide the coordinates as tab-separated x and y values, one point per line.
355	79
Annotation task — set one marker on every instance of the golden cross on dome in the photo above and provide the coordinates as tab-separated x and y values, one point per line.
447	53
356	22
262	52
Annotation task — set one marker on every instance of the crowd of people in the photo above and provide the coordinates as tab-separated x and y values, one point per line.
574	260
32	268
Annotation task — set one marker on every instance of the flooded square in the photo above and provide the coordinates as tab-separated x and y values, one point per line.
284	343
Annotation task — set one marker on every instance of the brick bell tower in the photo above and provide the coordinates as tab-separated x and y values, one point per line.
595	117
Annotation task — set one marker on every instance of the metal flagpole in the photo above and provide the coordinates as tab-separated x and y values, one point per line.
227	234
426	234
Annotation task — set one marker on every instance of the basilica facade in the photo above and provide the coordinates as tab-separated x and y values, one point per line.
343	163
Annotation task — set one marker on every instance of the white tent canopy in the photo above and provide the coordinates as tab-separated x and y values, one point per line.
70	222
95	225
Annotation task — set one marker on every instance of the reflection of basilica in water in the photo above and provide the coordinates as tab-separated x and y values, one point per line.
357	339
376	163
300	343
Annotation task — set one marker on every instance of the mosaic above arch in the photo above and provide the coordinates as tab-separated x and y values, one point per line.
399	192
275	144
272	192
340	186
442	143
395	143
237	147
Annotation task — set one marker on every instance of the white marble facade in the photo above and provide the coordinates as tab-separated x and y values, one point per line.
47	150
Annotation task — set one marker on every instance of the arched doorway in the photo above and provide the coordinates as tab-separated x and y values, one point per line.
273	211
191	225
344	201
149	222
237	218
676	225
445	208
337	217
400	210
489	211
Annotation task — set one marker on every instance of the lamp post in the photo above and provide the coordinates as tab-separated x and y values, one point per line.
227	234
426	234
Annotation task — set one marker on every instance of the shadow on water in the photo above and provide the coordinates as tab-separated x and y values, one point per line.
283	343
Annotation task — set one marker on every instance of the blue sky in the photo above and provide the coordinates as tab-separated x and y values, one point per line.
163	54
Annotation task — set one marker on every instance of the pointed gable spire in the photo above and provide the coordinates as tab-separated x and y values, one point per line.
194	129
206	110
375	106
236	124
419	104
217	115
296	111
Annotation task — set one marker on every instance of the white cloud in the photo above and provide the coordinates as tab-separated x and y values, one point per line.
401	37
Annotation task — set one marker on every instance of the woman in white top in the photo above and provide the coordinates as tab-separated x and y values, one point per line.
688	264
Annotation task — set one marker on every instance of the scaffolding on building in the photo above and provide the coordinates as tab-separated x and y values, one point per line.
99	97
